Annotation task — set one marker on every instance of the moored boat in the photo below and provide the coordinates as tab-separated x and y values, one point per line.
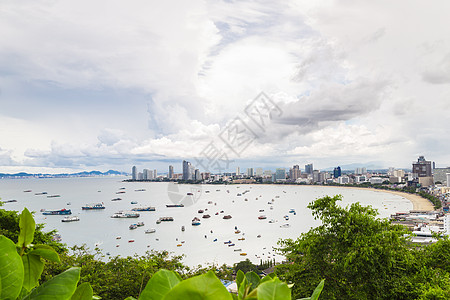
93	206
145	208
70	219
58	212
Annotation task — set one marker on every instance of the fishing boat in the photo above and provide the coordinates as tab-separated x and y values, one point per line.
122	214
133	226
140	224
227	217
195	221
262	217
227	242
120	192
93	206
243	254
116	199
292	211
174	205
70	219
237	250
241	239
151	230
206	216
231	245
179	245
145	208
58	212
53	196
41	193
200	211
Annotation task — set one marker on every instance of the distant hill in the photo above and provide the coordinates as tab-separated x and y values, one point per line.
79	174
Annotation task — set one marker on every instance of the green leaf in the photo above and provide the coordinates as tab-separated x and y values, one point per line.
46	252
265	278
315	295
203	287
239	278
83	292
274	290
253	279
27	227
33	267
11	269
130	298
160	284
243	289
61	286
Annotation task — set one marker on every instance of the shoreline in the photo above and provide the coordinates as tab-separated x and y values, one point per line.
418	202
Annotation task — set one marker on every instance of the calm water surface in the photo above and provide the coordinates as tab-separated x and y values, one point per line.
96	227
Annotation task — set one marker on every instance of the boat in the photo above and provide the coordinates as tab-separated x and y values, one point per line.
189	194
241	239
140	224
182	228
206	216
258	236
9	201
285	226
133	226
120	192
243	254
165	219
158	221
262	217
195	221
237	250
200	211
118	237
271	221
227	242
145	208
27	191
179	245
41	193
69	203
174	205
122	188
237	231
286	218
209	202
130	241
58	212
239	195
133	202
122	214
227	217
93	206
261	210
53	196
116	199
151	230
292	211
140	190
70	219
231	245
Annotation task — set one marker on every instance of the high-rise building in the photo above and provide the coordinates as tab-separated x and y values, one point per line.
187	170
145	174
259	172
422	171
280	174
250	172
170	172
337	172
238	171
294	173
134	173
315	176
197	175
309	169
155	174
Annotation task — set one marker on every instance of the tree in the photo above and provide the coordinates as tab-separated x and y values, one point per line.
359	256
245	266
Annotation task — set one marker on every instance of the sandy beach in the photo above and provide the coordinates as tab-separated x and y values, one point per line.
418	202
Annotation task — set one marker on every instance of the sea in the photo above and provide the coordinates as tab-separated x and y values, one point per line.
252	237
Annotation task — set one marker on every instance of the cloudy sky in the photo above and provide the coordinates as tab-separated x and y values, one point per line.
98	85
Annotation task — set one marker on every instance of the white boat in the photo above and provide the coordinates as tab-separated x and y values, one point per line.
122	214
285	226
151	230
70	219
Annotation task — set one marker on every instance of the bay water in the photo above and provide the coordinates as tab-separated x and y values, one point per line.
203	244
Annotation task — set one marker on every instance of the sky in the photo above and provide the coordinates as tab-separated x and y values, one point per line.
99	85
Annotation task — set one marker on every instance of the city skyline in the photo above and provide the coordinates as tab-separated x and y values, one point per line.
112	86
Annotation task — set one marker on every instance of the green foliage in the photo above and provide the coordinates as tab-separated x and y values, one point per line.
245	266
360	256
160	284
11	270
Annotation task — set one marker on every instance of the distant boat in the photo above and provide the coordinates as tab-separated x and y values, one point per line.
227	217
9	201
70	219
286	218
174	205
42	193
93	206
195	221
140	190
122	214
243	254
237	250
262	217
145	208
241	239
151	230
285	226
200	211
133	202
182	228
120	192
206	216
189	194
165	219
27	191
58	212
56	237
140	224
133	226
292	211
231	245
116	199
53	196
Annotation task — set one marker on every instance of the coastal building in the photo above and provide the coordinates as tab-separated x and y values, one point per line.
294	173
360	171
258	172
315	176
134	173
376	180
337	172
448	179
155	174
145	174
280	174
309	169
238	171
170	172
187	170
197	175
440	174
250	172
140	176
422	172
344	180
